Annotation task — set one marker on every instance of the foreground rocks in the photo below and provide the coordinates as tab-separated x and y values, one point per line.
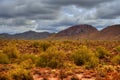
73	74
63	74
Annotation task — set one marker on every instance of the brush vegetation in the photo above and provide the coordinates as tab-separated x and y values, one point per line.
19	57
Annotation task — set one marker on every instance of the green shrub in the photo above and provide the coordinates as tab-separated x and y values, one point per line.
20	74
11	51
24	57
4	59
27	64
118	48
101	52
52	58
81	56
45	46
94	61
85	57
36	44
14	72
41	46
27	60
116	59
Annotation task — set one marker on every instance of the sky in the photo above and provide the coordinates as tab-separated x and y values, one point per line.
17	16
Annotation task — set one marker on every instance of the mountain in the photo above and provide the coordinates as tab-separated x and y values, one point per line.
82	31
88	32
4	36
30	35
110	33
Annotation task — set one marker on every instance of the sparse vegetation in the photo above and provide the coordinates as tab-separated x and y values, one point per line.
118	48
84	56
41	45
116	59
14	72
20	74
52	58
19	58
4	59
11	50
101	52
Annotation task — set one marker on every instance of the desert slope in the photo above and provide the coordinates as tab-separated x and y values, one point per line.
82	31
110	33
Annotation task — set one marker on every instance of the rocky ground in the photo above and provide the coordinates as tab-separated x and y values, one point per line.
55	74
74	74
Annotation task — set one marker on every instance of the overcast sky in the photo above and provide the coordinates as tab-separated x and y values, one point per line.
18	16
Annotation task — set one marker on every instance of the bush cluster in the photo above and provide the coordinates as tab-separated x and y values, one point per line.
15	73
4	59
41	45
56	54
84	56
116	59
101	52
11	51
51	58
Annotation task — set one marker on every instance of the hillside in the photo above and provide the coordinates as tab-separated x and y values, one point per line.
110	32
31	35
88	32
82	31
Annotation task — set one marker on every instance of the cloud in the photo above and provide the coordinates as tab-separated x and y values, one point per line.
40	9
55	15
33	9
109	10
82	3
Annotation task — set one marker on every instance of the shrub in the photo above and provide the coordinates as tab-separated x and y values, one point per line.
4	59
52	58
14	72
20	74
24	57
116	59
84	56
43	46
11	51
94	61
81	56
36	44
101	52
118	48
102	70
27	61
27	64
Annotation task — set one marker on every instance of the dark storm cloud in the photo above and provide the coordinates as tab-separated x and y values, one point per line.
35	8
55	15
82	3
15	22
26	8
109	10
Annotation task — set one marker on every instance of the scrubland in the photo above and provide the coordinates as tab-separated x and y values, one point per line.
59	60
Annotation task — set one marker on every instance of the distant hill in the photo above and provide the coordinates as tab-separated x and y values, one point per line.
82	31
31	35
110	32
89	32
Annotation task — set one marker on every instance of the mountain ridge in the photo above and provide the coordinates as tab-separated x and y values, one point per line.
29	35
110	32
90	33
82	32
